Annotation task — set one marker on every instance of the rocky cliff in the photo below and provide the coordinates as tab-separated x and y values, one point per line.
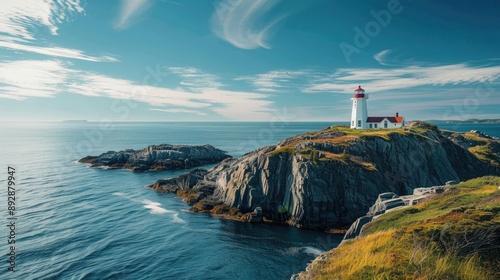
326	179
158	157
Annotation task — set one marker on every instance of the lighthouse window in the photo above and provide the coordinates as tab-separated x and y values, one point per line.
352	123
359	123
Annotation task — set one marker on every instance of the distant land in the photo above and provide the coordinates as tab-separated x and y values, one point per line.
75	121
466	121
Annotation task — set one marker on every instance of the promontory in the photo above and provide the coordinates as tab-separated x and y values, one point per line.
327	179
158	157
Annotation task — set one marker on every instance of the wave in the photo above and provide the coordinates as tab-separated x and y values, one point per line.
295	251
155	207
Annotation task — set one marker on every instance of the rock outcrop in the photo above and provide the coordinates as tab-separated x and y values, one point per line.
387	202
158	157
329	178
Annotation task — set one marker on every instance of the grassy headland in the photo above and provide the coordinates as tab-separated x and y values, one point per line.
454	235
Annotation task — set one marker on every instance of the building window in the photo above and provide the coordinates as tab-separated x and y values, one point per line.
359	123
375	125
352	123
370	125
385	124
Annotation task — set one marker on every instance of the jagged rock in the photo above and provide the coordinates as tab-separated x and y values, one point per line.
384	202
253	217
390	201
158	157
183	182
292	184
356	227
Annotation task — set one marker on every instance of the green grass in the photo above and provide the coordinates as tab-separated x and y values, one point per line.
455	235
482	148
465	195
485	153
348	137
374	132
286	149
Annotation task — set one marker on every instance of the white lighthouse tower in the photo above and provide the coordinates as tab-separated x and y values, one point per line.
359	109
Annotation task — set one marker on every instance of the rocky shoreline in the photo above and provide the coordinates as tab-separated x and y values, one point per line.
325	180
157	157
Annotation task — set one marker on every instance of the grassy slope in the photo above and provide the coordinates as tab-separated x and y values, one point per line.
455	235
482	151
346	139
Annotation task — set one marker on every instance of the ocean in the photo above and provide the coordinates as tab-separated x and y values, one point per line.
75	222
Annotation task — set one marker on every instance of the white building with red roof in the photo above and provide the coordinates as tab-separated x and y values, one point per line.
360	119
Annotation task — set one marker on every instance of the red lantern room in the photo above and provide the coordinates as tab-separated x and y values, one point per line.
359	92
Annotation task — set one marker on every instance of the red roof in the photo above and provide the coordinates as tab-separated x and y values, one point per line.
359	88
390	119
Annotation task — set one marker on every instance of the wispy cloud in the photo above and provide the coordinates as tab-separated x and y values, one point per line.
194	79
243	24
18	19
278	80
56	51
32	78
130	10
376	79
51	77
381	56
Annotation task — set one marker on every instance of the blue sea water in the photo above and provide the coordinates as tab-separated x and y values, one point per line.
74	222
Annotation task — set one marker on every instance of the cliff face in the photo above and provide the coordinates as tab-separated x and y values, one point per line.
158	157
327	179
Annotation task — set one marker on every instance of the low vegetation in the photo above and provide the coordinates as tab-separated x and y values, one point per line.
343	137
454	235
485	149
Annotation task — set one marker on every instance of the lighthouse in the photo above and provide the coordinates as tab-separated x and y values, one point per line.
359	110
360	119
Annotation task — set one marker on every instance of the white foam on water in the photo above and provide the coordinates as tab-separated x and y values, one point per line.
295	251
312	251
177	219
155	207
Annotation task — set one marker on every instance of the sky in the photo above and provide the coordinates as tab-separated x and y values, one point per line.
247	60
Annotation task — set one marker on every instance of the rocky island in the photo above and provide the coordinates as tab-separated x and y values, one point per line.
327	179
158	157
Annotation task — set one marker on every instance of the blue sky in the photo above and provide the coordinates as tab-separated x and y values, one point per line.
235	60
